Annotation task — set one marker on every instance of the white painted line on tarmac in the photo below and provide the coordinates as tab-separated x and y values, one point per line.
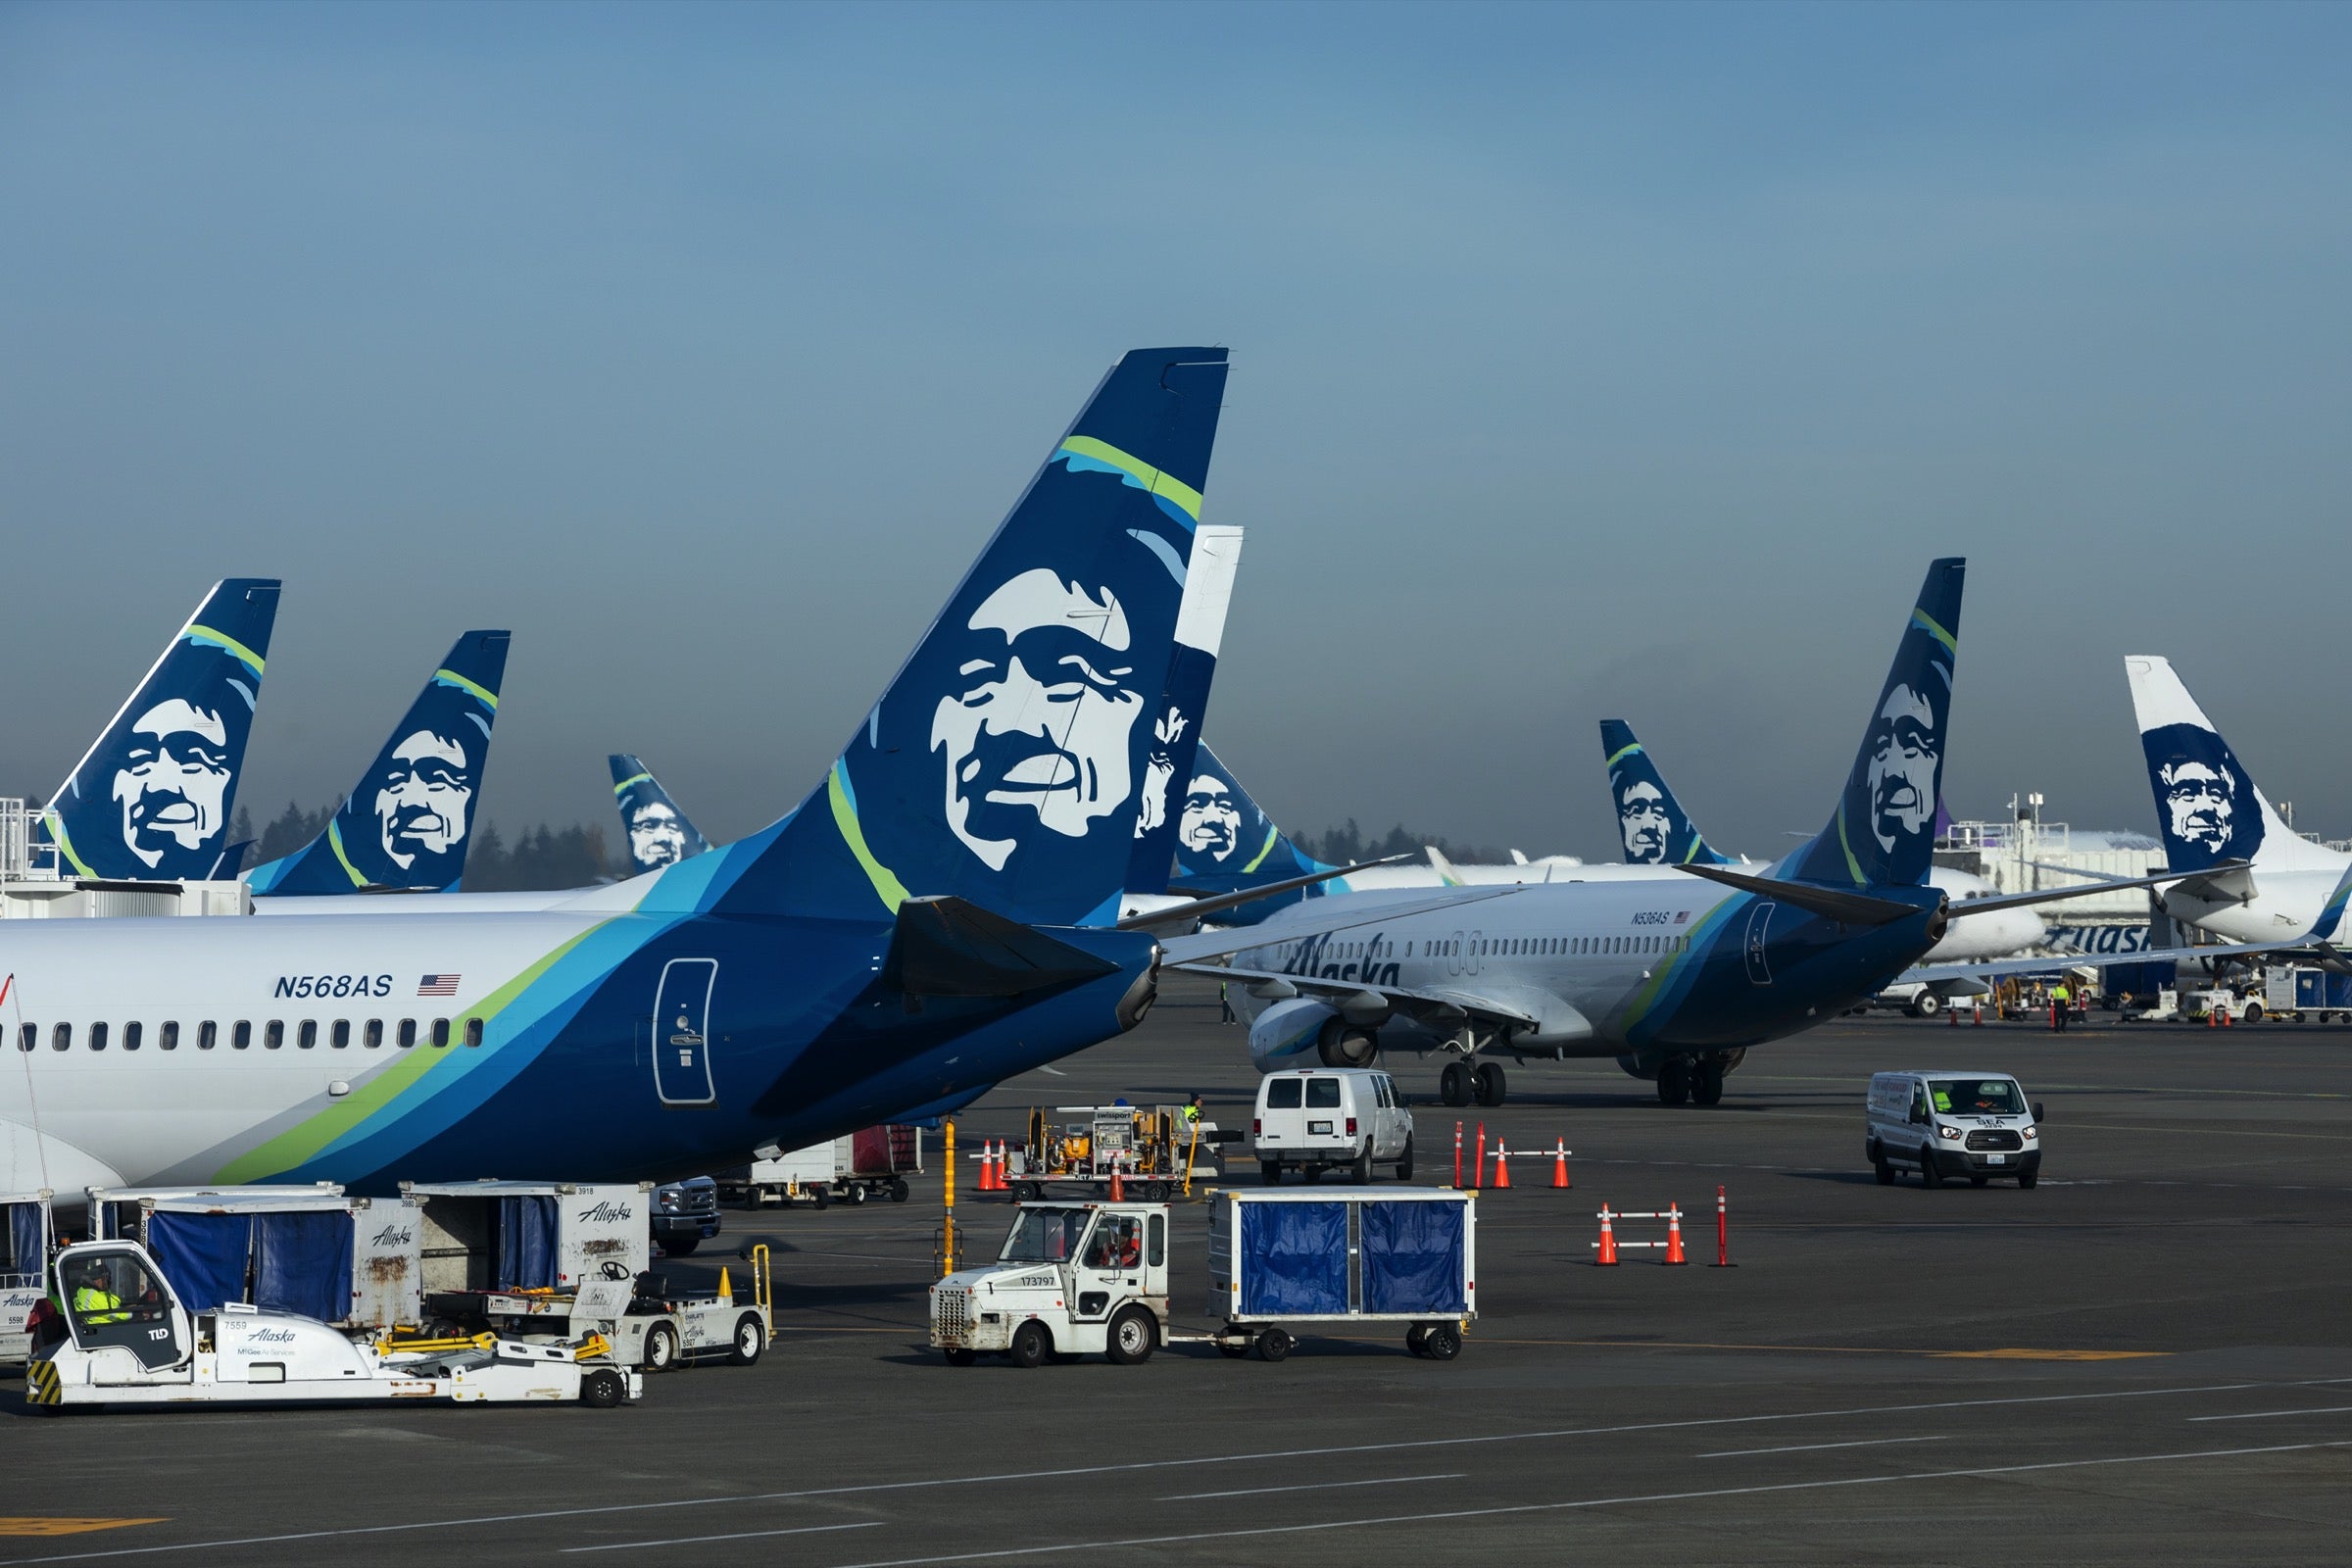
1312	1485
1816	1447
1136	1466
2265	1415
740	1534
1580	1502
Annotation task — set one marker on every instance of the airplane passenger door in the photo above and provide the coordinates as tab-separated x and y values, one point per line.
681	1037
1759	927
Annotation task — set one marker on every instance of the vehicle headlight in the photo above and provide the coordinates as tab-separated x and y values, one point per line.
2032	1132
1952	1133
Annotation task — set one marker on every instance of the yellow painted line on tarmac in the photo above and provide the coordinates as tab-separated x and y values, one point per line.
22	1526
1832	1350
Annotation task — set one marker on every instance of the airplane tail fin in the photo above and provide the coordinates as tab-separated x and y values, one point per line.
1005	764
1225	842
409	822
2208	808
1184	705
153	797
1652	823
658	832
1883	833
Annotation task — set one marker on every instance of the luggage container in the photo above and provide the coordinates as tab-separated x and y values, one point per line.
313	1251
528	1235
28	1235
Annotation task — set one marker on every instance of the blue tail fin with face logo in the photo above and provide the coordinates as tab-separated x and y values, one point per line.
1883	833
1226	842
1005	762
409	822
151	800
657	832
2208	808
1652	825
1184	705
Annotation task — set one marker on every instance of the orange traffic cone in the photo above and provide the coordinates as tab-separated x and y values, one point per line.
1674	1234
988	1168
1559	1164
1980	1018
1951	1016
2225	1016
1502	1172
1607	1257
1118	1187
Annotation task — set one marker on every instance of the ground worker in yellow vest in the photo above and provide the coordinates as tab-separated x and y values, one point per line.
95	1301
2062	1006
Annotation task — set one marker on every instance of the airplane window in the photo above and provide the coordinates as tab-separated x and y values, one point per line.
308	1037
273	1035
473	1031
167	1035
440	1031
97	1036
131	1036
61	1038
207	1033
374	1035
28	1034
341	1038
241	1037
408	1033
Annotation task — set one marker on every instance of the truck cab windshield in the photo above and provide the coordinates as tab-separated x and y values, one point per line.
1045	1236
1976	1097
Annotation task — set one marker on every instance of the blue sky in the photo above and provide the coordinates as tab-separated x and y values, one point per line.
1588	361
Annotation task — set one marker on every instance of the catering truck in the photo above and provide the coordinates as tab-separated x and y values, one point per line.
127	1339
1073	1278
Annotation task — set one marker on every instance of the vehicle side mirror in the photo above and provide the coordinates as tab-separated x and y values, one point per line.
2038	1113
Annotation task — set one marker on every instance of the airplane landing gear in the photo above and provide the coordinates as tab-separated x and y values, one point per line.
1453	1084
1674	1081
1706	1081
1489	1083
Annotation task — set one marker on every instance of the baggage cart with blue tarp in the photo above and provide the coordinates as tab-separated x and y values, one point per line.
28	1235
311	1250
1079	1277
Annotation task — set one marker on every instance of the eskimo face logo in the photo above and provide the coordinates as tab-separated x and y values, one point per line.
656	836
1039	731
1159	772
2200	803
1906	763
423	798
1645	823
174	780
1212	824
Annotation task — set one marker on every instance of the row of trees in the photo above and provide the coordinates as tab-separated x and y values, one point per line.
1348	845
541	856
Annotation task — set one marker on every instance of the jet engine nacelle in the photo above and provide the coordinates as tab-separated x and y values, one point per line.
1289	1034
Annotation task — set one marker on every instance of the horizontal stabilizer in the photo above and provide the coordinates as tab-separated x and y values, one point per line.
1186	913
1854	909
2219	876
945	946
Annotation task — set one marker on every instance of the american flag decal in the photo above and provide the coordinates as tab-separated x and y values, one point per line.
438	985
1680	916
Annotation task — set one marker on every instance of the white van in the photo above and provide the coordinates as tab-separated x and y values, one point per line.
1321	1118
1972	1124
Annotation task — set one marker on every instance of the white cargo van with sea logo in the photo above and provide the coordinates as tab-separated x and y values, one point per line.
1318	1119
1972	1124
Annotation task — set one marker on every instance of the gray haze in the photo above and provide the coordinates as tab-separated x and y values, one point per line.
1588	362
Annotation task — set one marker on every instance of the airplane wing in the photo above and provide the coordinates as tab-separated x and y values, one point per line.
1931	972
1439	1005
1193	950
